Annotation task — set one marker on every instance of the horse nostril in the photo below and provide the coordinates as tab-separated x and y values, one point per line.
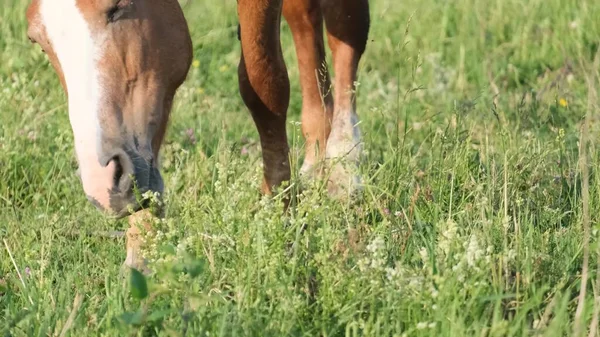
123	169
118	171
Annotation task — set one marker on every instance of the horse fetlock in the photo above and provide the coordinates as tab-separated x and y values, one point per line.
344	140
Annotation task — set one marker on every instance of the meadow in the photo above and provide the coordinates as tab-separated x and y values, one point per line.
479	209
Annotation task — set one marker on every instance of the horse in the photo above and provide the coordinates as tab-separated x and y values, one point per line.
120	63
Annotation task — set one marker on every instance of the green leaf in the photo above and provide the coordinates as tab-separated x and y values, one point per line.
157	315
132	318
196	302
195	268
168	249
139	287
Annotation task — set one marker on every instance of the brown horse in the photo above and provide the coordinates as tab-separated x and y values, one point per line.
120	63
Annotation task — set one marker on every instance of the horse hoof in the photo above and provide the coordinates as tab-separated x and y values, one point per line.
342	158
343	182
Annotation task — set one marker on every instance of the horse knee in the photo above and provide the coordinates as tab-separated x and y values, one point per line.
265	89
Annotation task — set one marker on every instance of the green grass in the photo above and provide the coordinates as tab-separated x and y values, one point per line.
470	223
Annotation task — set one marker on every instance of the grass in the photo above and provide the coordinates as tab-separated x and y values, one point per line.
471	221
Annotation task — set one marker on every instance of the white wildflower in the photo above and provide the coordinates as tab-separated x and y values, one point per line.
574	24
391	273
376	245
415	283
473	253
448	236
424	255
511	255
506	222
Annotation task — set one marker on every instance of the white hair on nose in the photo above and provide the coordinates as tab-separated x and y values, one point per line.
78	53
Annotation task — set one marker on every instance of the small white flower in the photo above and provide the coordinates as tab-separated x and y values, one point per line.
376	245
574	24
506	222
448	236
391	273
424	255
473	253
414	283
511	254
422	325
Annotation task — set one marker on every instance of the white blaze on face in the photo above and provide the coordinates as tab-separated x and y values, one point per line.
78	53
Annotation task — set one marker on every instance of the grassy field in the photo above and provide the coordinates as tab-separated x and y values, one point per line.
471	222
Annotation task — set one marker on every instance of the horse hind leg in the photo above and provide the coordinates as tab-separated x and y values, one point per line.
264	84
347	23
305	19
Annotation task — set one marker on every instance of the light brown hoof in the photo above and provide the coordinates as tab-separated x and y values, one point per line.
342	158
312	170
343	181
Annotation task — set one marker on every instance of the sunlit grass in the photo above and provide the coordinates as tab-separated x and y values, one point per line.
470	222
